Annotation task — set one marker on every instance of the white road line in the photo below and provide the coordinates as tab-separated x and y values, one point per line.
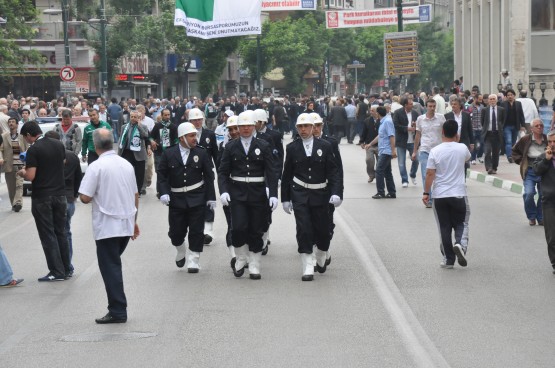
417	342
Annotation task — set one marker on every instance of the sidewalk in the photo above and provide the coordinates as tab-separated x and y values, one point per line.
507	177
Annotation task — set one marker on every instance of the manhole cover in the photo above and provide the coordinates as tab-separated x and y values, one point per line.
99	337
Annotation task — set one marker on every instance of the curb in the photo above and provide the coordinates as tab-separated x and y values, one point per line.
495	181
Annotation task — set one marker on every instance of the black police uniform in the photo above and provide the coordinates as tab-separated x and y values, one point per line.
310	205
339	162
248	199
227	209
207	140
186	208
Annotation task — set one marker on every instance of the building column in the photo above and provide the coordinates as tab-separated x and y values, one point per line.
485	47
458	46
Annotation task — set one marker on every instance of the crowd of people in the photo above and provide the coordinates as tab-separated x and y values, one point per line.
241	139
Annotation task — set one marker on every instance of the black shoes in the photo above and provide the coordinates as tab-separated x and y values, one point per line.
180	263
308	277
389	195
143	192
255	276
265	250
50	277
207	239
108	318
238	273
378	196
16	207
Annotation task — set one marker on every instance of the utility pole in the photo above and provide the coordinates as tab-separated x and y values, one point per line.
104	58
65	16
259	87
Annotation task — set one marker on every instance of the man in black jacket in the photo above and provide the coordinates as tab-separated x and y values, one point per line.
492	119
162	137
310	182
404	121
186	184
463	119
513	122
369	132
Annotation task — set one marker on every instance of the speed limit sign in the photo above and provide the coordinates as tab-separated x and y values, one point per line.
67	74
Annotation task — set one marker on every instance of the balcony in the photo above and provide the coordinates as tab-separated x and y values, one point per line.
49	31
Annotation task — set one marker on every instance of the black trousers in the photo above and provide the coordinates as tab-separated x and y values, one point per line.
183	220
138	166
248	220
331	210
227	213
50	217
108	252
268	219
209	214
312	227
492	145
450	215
549	228
91	157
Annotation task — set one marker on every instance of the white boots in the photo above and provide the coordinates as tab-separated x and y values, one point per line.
231	249
308	267
181	254
193	262
254	265
241	260
321	257
208	232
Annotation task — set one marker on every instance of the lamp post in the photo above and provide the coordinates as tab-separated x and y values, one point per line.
103	80
532	87
519	86
499	87
65	15
259	87
543	101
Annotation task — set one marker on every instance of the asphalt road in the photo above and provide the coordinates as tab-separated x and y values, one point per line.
384	301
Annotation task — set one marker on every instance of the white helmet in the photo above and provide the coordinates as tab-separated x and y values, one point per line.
305	118
316	118
260	115
196	114
246	118
232	121
185	128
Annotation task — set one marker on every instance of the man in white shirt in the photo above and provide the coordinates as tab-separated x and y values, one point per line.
528	108
440	101
446	172
428	135
110	185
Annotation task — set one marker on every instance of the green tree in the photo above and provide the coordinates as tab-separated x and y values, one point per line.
17	13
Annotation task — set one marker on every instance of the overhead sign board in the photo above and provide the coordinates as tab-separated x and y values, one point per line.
68	87
281	5
377	17
401	53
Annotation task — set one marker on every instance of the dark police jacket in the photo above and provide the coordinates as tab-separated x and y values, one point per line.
271	138
258	163
172	173
316	169
338	160
208	141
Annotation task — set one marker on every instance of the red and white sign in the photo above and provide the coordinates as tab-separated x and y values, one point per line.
376	17
67	74
281	5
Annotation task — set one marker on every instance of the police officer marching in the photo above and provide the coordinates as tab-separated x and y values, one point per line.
206	139
186	183
309	182
246	169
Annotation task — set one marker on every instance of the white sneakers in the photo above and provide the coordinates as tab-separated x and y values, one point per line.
405	185
413	181
457	248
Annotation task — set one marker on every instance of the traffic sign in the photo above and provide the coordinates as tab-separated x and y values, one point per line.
68	87
401	53
67	73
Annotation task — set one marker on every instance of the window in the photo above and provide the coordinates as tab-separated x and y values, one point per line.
542	40
543	15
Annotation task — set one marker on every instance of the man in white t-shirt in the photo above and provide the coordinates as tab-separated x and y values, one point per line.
446	171
110	185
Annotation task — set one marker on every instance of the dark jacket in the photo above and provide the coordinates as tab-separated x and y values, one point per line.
467	134
277	150
155	136
172	173
545	169
520	153
339	162
338	116
369	130
143	131
485	119
258	163
520	123
73	175
401	124
319	168
208	141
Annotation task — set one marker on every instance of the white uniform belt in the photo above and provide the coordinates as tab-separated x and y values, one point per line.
309	186
189	188
248	179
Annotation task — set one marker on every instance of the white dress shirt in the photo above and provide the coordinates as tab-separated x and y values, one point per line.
246	144
184	153
307	145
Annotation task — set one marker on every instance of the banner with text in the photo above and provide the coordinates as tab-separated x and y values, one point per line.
279	5
377	17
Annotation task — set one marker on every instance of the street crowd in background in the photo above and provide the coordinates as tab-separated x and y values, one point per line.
160	134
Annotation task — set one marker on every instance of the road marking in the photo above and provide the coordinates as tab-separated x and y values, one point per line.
417	342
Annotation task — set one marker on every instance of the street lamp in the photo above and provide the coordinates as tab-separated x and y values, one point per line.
65	12
103	57
499	87
543	101
509	86
532	87
519	86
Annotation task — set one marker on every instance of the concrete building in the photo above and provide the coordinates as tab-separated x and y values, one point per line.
492	35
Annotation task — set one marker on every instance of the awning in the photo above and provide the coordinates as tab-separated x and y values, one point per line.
136	83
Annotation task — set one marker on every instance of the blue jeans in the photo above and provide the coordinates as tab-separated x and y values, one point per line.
402	162
510	134
69	214
6	273
478	145
383	174
532	208
423	158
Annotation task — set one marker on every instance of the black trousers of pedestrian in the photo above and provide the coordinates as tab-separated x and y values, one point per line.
209	214
268	219
108	252
183	220
248	220
157	159
492	145
312	227
331	210
450	215
384	176
50	218
138	166
91	157
549	228
227	213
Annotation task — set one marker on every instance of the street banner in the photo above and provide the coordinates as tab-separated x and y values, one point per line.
280	5
218	18
377	17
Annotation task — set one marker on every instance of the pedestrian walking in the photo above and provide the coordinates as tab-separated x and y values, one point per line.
492	133
6	274
12	144
110	184
186	183
386	151
88	153
134	146
445	171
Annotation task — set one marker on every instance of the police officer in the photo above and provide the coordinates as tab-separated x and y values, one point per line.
186	183
232	132
206	139
246	169
275	139
317	133
310	181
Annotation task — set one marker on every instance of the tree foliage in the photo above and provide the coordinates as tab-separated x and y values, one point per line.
12	55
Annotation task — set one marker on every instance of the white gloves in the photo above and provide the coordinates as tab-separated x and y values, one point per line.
287	207
268	193
211	204
225	199
165	199
273	203
335	200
